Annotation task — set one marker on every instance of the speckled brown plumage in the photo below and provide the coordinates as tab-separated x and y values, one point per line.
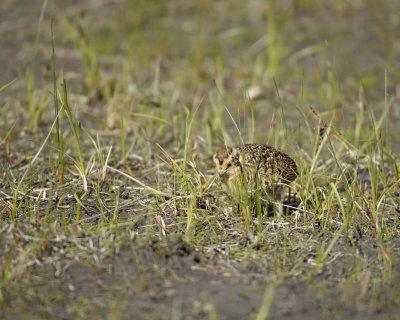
260	166
269	161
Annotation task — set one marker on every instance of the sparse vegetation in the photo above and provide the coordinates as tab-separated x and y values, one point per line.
110	115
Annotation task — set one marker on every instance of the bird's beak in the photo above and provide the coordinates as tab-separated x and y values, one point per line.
221	173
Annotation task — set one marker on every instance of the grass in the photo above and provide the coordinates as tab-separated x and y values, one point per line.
125	156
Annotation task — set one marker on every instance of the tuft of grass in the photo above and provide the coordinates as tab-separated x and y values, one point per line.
74	125
80	34
36	105
59	133
265	308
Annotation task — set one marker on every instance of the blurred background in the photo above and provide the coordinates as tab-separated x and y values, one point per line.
266	60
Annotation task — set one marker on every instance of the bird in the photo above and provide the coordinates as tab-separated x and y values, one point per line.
255	167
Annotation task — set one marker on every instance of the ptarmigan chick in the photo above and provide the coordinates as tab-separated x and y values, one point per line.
255	167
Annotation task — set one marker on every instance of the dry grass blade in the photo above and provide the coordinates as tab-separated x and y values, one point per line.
155	191
322	127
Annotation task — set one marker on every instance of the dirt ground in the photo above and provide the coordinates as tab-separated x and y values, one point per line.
68	268
171	280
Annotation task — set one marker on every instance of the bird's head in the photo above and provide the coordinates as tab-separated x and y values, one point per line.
225	160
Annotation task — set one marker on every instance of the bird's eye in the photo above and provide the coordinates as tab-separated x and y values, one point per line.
229	165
